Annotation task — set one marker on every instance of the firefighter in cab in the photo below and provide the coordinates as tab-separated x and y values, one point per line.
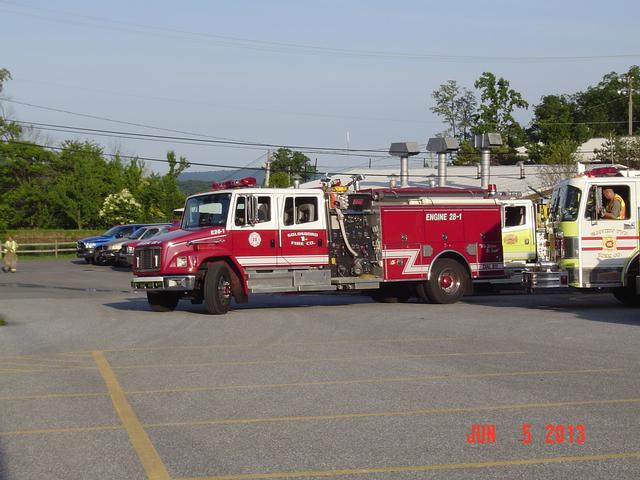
615	208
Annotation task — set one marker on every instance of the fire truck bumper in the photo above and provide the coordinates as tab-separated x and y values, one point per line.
173	282
545	279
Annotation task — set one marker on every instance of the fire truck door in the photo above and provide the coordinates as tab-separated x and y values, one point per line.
303	231
607	244
255	240
403	237
518	242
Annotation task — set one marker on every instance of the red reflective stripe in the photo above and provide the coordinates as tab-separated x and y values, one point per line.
591	238
590	249
626	248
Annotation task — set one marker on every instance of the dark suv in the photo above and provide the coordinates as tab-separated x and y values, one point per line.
85	247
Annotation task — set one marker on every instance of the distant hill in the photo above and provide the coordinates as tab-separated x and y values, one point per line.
195	182
189	187
220	175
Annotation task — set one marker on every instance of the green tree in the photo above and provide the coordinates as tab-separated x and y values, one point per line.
120	207
158	194
290	163
621	151
604	108
497	104
456	106
81	184
172	197
279	180
25	185
8	130
466	155
554	119
560	159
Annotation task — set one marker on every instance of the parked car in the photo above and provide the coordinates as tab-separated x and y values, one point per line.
124	256
108	252
85	247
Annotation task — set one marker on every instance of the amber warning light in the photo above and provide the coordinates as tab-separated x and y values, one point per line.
229	184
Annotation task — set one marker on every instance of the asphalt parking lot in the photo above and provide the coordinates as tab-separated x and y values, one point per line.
95	385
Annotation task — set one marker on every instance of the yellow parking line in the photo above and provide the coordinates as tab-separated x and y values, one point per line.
151	462
249	345
78	353
43	358
14	370
407	379
405	413
400	413
47	365
96	428
45	396
311	360
357	381
51	370
354	341
423	468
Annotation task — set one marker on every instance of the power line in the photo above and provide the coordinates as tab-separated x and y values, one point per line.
117	155
124	122
107	119
247	166
581	123
320	169
152	159
194	140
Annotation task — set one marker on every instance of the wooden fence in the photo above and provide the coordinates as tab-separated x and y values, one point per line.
55	248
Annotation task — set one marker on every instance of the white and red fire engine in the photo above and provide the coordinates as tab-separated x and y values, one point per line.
394	243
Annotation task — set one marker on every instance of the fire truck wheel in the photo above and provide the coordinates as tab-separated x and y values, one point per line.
627	295
163	301
217	289
448	282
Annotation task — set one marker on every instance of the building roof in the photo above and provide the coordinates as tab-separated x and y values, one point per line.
505	177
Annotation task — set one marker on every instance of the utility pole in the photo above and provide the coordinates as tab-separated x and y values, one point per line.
630	91
267	170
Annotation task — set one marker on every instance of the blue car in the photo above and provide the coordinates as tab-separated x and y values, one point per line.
85	247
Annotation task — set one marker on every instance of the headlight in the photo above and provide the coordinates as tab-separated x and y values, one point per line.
89	245
181	262
130	249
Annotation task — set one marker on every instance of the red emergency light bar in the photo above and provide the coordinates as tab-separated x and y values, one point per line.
603	172
230	184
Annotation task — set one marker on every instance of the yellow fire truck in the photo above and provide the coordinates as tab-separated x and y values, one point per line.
573	232
596	250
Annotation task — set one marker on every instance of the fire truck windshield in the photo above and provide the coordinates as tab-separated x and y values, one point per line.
206	210
566	203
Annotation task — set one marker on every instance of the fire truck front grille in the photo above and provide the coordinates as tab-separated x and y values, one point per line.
148	259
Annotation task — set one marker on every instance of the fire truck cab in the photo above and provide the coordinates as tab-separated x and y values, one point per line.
598	251
394	243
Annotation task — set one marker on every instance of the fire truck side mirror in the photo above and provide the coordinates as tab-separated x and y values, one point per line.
594	204
252	210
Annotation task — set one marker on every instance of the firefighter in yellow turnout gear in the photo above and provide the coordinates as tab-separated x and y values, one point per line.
615	208
10	257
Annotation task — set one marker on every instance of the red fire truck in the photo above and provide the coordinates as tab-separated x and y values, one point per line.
393	243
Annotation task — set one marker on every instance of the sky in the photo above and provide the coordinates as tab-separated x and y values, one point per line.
350	74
